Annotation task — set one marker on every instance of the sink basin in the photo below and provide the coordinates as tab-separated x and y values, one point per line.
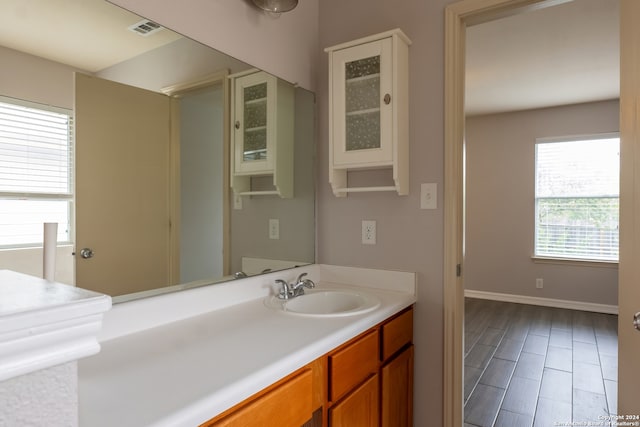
326	303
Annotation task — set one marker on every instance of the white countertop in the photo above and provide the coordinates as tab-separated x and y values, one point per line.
185	372
44	323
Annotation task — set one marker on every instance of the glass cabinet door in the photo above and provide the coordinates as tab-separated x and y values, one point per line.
254	128
253	122
362	99
362	111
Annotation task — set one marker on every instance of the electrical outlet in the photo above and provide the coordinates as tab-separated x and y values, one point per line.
368	232
274	229
429	196
539	283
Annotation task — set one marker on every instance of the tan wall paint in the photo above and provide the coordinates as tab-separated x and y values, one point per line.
285	46
500	153
35	79
250	226
407	238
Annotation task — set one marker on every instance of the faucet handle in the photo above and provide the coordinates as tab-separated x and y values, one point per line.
285	292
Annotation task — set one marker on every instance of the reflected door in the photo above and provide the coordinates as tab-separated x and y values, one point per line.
122	182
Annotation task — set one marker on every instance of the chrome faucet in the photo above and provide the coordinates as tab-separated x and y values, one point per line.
301	283
293	290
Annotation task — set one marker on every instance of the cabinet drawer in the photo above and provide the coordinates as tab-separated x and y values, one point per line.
286	405
352	364
396	333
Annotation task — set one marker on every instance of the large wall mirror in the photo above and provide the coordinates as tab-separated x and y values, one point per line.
152	210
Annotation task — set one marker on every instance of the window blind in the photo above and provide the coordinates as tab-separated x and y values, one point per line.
36	171
577	199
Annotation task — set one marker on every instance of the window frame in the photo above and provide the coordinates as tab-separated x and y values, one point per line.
574	260
44	196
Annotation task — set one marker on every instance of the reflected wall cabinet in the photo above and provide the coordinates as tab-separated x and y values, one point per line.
368	110
262	120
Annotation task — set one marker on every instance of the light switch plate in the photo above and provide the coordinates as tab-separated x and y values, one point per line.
429	196
274	229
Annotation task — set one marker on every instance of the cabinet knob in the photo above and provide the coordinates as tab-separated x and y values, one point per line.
387	99
237	125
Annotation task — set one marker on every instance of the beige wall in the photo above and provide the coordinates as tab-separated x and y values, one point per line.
408	238
285	46
35	79
249	226
500	151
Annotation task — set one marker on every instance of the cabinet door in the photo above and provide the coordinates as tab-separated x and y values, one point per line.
254	123
360	408
397	391
362	105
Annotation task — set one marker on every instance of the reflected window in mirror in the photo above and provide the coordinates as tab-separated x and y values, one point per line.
42	67
36	164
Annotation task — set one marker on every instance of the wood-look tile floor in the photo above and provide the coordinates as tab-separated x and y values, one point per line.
537	366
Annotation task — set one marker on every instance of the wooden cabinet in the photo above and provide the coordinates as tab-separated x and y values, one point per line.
371	377
262	132
287	403
396	384
368	110
366	382
352	364
397	391
358	408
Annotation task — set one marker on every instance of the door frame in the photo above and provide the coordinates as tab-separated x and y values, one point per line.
175	92
457	17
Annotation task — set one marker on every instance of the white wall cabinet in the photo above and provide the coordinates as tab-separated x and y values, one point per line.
262	124
368	110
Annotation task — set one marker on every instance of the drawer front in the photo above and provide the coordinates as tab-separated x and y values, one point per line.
351	365
396	333
286	405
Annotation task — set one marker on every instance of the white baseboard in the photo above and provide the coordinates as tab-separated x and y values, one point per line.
546	302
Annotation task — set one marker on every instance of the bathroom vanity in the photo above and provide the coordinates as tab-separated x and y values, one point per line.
220	356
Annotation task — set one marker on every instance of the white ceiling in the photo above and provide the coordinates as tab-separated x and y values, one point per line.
559	55
87	34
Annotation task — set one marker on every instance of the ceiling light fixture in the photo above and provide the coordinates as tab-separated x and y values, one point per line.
276	6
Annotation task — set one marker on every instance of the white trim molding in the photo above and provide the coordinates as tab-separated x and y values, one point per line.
44	323
545	302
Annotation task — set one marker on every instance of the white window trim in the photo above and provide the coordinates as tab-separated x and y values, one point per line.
47	196
544	259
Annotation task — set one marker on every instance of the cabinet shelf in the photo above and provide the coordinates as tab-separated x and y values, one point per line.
363	112
364	189
256	101
256	129
363	78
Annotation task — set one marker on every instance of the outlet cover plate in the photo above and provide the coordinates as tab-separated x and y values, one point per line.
368	232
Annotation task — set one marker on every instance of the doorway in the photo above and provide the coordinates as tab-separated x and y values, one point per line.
458	16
